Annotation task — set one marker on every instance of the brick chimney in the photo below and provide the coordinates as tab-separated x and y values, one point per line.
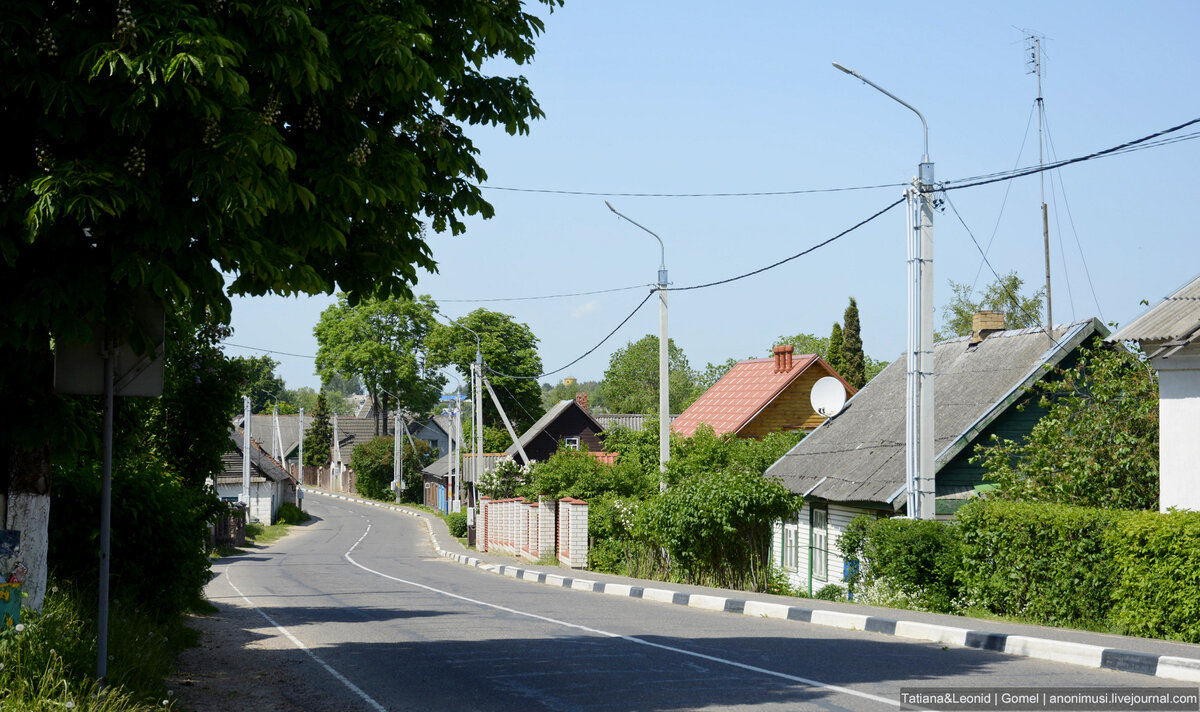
581	399
788	349
778	351
984	324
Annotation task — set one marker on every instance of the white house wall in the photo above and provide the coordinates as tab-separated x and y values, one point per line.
260	499
1179	429
838	520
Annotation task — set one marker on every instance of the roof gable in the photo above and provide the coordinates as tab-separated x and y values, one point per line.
1171	325
746	391
557	411
858	456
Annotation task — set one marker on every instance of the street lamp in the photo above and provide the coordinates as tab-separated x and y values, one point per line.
664	408
919	410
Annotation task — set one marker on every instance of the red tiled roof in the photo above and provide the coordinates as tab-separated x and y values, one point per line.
740	394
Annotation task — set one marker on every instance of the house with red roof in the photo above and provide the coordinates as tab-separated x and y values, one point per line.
761	396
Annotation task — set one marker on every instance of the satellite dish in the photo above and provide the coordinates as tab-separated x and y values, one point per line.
828	396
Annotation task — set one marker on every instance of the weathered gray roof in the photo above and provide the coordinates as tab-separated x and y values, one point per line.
858	456
629	421
544	422
261	464
441	466
262	429
1169	325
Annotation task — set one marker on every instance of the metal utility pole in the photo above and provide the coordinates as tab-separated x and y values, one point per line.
919	442
664	385
1035	52
246	452
397	456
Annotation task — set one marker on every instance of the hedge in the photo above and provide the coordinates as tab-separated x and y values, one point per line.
1157	593
1046	562
909	563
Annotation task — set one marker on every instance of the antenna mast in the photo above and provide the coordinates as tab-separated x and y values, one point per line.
1035	60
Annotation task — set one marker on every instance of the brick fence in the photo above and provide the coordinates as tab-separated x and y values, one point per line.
535	530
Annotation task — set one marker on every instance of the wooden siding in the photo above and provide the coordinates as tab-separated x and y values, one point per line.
790	410
573	423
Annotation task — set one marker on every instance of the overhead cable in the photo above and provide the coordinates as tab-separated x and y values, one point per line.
751	194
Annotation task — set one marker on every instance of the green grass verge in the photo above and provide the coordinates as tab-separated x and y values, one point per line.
49	662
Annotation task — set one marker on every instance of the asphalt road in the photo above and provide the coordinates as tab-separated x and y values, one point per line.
365	614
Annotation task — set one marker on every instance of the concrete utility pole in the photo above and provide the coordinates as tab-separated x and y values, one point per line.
664	385
300	466
246	452
919	436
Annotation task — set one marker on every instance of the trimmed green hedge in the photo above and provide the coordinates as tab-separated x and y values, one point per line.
909	563
1046	562
1157	592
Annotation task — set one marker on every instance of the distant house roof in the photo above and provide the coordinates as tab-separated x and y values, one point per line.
1169	325
629	421
441	466
858	456
749	389
262	429
558	410
261	464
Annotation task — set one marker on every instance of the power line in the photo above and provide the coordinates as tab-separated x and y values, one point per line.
268	351
785	260
589	351
1128	146
545	296
752	194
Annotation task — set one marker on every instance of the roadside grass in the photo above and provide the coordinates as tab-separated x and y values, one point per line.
49	661
258	534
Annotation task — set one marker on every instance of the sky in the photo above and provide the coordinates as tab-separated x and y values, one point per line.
702	98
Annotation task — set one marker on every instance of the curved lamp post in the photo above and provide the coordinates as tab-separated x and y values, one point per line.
919	411
664	407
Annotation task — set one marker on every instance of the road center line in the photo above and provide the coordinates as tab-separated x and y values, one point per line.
296	641
607	634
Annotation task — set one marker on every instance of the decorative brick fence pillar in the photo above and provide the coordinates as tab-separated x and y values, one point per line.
481	524
573	532
545	524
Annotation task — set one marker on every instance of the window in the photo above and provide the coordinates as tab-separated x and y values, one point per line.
791	545
571	443
819	542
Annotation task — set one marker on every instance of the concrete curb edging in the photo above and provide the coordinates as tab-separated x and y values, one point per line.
1086	655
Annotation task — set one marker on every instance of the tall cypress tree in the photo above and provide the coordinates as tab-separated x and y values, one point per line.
834	355
319	435
853	358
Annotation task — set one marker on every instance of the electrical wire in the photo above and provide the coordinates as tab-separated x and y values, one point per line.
586	353
785	260
268	351
1127	147
546	296
1007	190
1071	219
752	194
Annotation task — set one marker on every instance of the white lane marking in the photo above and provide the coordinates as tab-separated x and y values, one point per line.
607	634
296	641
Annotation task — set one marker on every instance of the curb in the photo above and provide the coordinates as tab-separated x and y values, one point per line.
1093	656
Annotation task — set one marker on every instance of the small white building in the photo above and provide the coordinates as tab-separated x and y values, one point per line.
270	485
1169	334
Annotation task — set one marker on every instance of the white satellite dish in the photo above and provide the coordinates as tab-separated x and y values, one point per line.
828	396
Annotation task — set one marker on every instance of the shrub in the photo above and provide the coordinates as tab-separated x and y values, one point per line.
291	514
916	561
1157	557
373	465
831	592
1045	562
716	527
457	521
158	537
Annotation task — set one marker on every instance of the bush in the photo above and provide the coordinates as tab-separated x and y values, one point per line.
457	521
716	527
373	465
159	533
1044	562
915	562
1157	557
831	592
291	514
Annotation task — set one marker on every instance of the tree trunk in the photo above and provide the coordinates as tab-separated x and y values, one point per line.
26	480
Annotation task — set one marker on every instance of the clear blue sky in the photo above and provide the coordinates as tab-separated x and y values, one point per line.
704	97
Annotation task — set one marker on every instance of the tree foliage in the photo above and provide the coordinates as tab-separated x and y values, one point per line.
562	391
1097	446
631	381
854	361
318	439
382	343
805	344
259	382
833	355
510	356
1003	295
373	463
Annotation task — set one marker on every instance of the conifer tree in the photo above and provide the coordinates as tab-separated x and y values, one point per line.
853	359
834	354
319	436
